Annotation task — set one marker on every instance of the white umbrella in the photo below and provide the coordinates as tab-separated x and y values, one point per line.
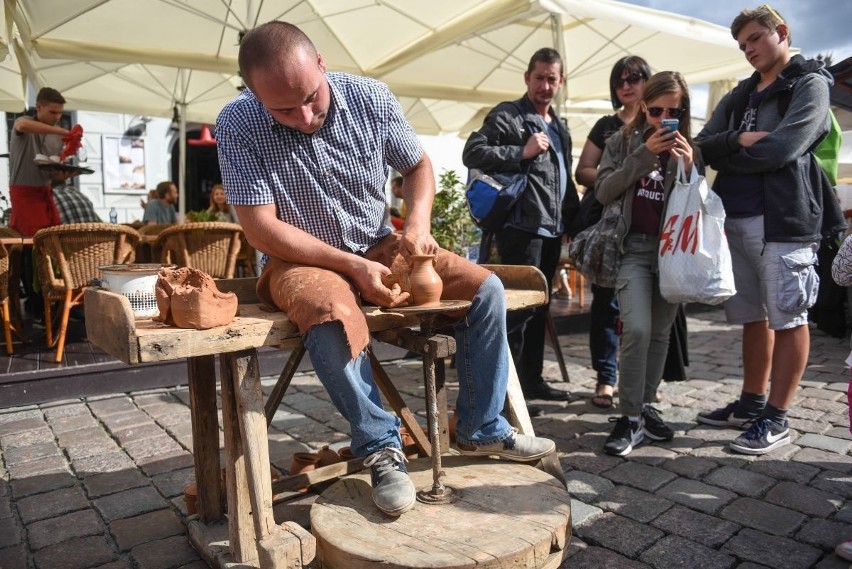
446	59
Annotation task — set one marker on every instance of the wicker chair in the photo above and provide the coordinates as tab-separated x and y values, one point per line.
10	301
147	251
68	258
208	246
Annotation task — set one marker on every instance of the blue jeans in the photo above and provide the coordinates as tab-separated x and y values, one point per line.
603	334
481	364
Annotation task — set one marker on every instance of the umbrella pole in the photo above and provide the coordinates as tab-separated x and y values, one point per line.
182	163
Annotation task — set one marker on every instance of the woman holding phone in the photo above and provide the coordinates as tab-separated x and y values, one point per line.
626	80
638	169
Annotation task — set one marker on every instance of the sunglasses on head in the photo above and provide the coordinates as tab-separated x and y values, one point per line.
658	111
631	79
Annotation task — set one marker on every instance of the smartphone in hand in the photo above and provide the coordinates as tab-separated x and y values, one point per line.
671	124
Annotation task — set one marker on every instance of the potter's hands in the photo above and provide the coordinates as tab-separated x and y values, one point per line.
372	282
417	243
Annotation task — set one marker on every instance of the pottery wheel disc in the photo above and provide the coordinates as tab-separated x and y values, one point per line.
507	514
445	306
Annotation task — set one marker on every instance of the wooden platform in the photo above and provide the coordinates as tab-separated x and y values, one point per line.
507	515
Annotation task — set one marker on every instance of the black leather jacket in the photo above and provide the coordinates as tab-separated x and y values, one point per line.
497	147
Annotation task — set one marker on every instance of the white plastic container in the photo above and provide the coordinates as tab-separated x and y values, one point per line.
136	282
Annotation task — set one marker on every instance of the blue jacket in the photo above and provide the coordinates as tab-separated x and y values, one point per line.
497	147
793	185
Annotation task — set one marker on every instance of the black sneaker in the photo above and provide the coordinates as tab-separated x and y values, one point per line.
729	416
624	436
763	436
393	490
653	425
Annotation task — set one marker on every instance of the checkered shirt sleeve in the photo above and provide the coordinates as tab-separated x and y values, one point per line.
73	206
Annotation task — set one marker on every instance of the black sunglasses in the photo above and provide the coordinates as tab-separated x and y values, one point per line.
631	79
658	111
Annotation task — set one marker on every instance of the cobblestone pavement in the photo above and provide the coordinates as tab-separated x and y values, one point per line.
99	482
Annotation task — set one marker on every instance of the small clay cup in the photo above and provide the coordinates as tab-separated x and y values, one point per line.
346	453
327	456
190	498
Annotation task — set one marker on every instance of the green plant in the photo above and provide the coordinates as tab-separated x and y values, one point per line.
200	216
452	226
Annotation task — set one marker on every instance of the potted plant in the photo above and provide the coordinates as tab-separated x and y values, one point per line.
452	226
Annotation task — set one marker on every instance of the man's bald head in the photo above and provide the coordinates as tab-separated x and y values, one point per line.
272	47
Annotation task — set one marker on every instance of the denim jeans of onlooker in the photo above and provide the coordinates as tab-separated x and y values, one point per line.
481	364
526	328
603	334
646	320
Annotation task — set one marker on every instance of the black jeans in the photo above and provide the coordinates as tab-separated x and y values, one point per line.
525	329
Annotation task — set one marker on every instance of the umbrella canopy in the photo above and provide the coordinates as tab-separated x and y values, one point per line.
447	60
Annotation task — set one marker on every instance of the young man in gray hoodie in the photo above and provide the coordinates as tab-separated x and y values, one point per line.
759	139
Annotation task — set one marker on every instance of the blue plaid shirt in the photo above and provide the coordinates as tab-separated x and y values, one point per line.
331	183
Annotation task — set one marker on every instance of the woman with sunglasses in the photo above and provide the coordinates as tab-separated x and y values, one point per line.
638	169
625	86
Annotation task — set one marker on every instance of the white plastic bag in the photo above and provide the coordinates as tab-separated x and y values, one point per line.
694	257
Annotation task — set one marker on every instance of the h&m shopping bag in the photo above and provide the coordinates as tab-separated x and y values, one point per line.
694	257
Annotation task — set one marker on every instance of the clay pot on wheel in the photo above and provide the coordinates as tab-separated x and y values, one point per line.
426	285
190	498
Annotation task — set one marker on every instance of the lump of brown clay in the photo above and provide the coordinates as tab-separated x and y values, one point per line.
188	298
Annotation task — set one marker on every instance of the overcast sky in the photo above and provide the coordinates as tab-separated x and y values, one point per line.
818	26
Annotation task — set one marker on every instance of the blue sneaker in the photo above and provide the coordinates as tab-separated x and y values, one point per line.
728	416
763	436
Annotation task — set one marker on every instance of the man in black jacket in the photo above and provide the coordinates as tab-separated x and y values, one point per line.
516	134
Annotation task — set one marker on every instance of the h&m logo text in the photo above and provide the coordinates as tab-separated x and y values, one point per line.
680	237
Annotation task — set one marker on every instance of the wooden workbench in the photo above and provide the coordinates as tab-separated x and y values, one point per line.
253	537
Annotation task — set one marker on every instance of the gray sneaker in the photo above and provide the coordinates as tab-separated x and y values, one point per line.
520	448
393	490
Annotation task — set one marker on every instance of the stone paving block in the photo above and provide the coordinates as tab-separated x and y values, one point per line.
796	414
597	557
152	526
805	499
162	445
138	433
164	553
63	528
595	463
154	465
771	551
762	516
741	481
582	513
20	425
844	514
822	405
821	393
130	503
46	465
642	476
51	504
126	420
824	459
14	557
839	433
653	454
690	466
172	483
10	532
122	564
695	526
107	483
793	471
620	534
72	423
18	439
634	504
41	483
823	442
831	562
825	534
88	552
834	483
805	426
107	462
5	505
31	452
586	487
111	405
673	552
697	495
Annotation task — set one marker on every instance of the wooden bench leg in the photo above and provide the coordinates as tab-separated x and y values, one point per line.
550	329
278	547
519	418
240	533
201	371
283	382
